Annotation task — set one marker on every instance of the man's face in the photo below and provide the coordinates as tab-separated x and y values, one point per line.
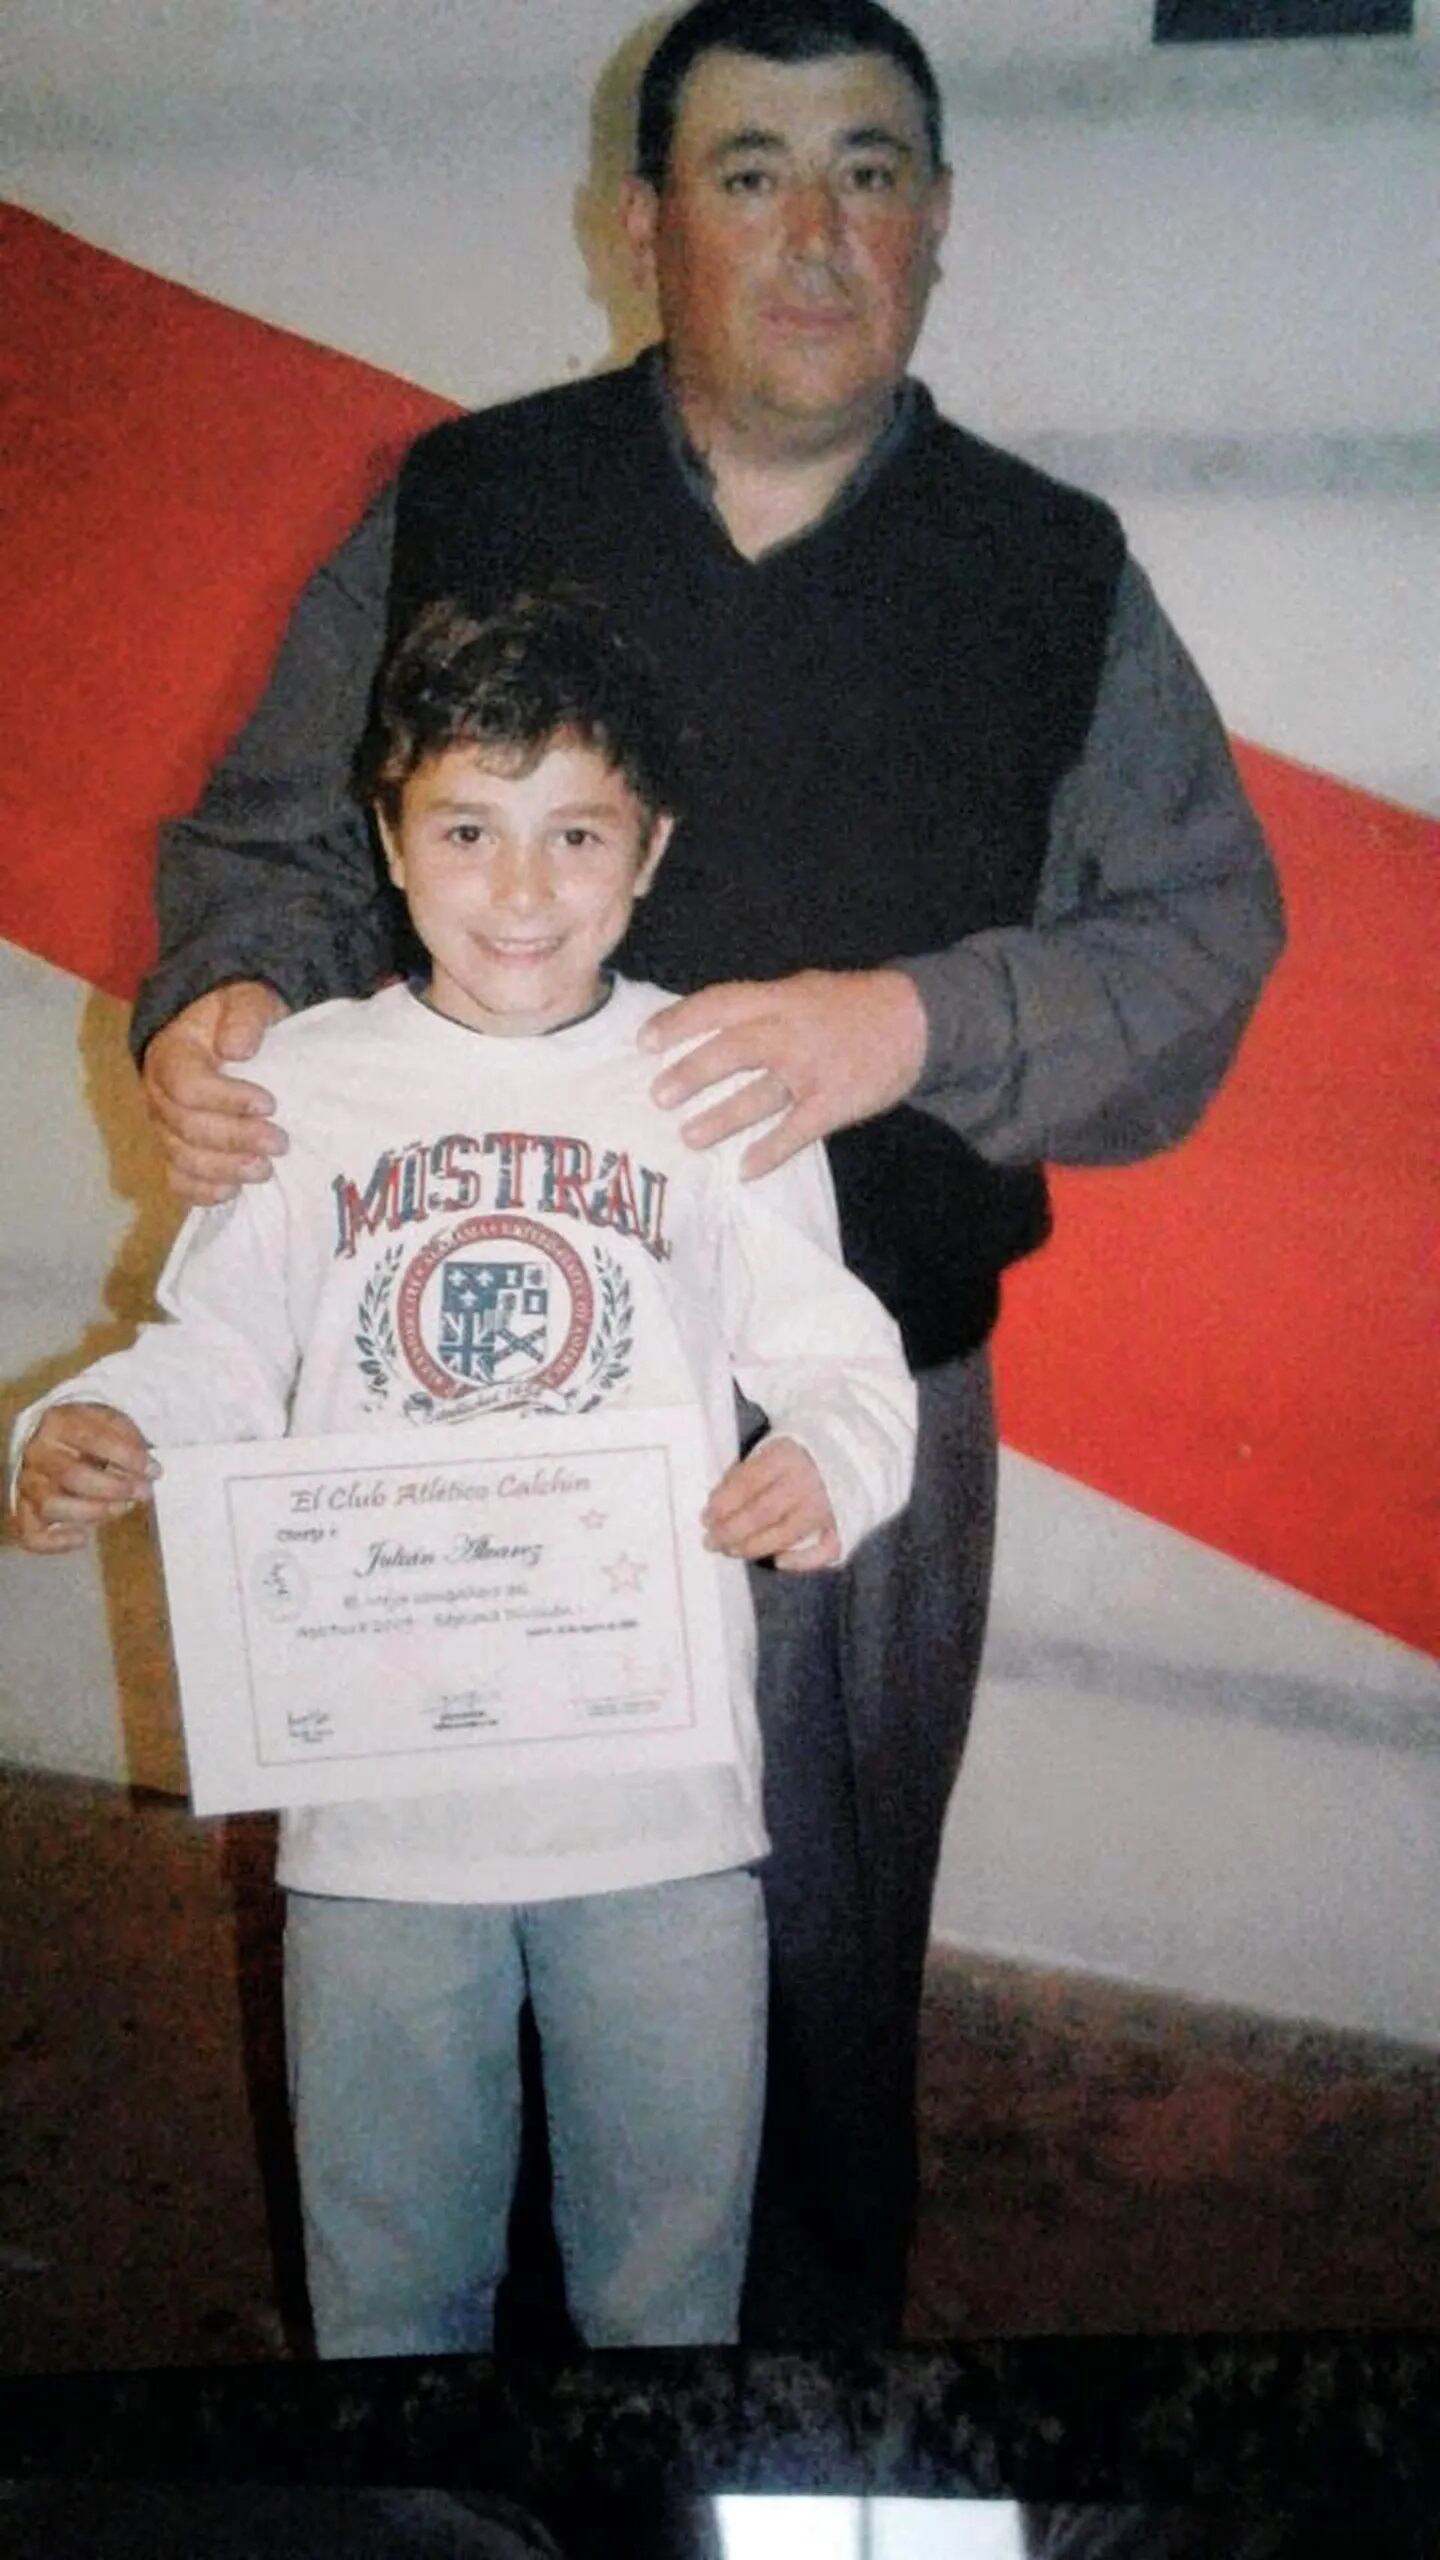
520	884
792	244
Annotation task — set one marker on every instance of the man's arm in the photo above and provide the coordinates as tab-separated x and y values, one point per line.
1097	1033
269	895
272	875
1101	1033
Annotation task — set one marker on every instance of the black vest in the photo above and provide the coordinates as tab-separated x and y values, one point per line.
879	714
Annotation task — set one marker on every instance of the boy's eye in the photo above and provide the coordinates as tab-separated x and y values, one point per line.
576	836
464	831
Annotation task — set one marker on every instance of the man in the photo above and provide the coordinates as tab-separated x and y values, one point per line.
969	864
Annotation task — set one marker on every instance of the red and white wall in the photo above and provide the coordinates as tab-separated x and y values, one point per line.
247	255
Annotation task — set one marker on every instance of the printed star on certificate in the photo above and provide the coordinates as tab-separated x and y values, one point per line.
627	1573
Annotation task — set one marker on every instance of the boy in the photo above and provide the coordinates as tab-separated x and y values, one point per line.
481	1209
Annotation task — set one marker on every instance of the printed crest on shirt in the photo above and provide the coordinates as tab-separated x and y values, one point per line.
499	1308
492	1312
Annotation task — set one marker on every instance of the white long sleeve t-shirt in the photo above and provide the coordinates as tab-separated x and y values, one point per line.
466	1223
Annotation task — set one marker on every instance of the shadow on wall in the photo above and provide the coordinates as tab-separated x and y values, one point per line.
129	1564
599	238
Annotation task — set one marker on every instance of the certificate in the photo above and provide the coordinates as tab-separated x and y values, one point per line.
378	1614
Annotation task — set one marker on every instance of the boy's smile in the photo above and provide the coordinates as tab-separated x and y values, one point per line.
520	884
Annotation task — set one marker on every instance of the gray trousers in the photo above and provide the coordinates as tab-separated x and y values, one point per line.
866	1683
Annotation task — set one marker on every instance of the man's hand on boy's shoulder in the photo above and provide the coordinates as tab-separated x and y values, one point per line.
82	1464
773	1503
216	1130
823	1049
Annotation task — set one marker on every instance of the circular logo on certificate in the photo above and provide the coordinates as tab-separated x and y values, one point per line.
281	1586
496	1306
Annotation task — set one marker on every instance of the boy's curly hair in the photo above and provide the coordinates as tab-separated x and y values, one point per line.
542	667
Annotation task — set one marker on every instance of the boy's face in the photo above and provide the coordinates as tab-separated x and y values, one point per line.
520	884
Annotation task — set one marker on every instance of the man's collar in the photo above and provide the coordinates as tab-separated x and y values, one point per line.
696	472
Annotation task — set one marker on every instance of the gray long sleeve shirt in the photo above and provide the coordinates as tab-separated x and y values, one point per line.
1097	1033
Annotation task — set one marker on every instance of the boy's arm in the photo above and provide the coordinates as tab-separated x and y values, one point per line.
811	1345
222	1366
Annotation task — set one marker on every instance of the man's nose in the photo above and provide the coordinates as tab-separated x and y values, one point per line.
813	218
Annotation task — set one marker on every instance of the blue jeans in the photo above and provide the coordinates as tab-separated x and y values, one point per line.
402	2038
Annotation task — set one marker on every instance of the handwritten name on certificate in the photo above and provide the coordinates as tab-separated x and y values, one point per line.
388	1615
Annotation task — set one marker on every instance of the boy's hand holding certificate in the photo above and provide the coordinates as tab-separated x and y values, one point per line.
383	1615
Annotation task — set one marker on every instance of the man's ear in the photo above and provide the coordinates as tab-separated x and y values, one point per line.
661	831
942	196
639	209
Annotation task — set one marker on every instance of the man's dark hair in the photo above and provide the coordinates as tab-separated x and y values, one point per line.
542	667
779	31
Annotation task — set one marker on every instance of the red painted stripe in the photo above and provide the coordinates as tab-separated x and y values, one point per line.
173	469
1240	1338
1237	1339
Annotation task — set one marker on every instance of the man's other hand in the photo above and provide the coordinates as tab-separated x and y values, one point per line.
83	1464
822	1050
216	1131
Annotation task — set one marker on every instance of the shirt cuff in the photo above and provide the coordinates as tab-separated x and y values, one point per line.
957	990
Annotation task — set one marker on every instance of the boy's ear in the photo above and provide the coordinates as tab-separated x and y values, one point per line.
661	831
389	838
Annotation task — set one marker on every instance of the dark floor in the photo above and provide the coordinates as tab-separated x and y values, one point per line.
1101	2158
1095	2158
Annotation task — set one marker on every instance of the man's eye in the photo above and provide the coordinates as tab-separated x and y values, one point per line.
464	832
576	836
871	177
749	182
